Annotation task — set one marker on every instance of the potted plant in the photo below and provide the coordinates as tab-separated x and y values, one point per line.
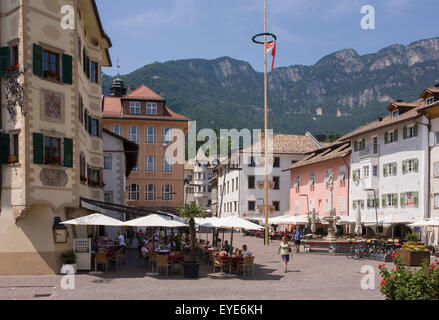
68	259
13	159
192	211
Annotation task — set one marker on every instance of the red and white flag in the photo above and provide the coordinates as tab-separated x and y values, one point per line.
271	47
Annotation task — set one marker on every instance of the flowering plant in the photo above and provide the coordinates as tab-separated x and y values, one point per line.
414	247
404	283
53	160
91	182
83	179
11	69
13	159
50	74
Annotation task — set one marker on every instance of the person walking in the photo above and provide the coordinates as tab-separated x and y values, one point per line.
285	250
297	236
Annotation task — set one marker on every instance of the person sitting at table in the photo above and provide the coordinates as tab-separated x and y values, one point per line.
246	252
144	250
226	246
218	244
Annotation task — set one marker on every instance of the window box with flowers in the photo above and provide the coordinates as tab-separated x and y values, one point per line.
49	74
13	159
54	161
9	71
103	185
83	179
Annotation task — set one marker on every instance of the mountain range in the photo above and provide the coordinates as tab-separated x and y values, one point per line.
342	91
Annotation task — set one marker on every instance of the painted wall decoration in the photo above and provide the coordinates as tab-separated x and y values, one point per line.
52	106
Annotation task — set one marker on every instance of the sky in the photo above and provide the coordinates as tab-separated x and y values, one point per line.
146	31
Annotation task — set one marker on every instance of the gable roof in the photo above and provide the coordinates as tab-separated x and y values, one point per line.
143	93
288	144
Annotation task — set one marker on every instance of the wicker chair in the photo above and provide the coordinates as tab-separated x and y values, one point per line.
218	263
246	265
162	263
101	259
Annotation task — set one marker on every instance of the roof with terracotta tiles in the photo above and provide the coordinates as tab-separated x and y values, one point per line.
288	144
334	151
143	93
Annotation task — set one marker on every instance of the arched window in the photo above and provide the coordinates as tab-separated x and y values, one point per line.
167	192
150	192
133	192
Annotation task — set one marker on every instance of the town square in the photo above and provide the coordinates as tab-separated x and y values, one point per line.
186	150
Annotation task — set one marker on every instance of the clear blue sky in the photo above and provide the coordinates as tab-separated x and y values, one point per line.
145	31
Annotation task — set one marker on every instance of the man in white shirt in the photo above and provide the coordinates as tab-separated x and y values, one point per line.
145	250
121	239
246	252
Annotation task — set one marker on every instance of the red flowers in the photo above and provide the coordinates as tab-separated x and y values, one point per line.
13	159
53	160
383	282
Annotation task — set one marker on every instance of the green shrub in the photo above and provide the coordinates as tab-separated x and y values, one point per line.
405	283
412	237
68	257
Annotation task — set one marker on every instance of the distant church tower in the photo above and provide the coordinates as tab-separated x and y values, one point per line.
118	88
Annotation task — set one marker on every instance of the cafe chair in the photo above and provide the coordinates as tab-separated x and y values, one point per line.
247	265
162	263
153	259
239	252
114	257
218	263
101	259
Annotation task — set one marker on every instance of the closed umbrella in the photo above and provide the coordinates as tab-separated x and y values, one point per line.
313	221
95	219
358	229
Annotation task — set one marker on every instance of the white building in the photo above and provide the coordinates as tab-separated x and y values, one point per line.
197	187
241	186
391	156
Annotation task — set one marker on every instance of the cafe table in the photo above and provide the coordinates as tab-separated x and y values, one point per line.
233	261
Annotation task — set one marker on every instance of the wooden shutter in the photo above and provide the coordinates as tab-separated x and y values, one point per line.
404	133
395	200
394	169
84	61
362	204
368	203
90	125
38	60
354	204
402	200
386	137
404	167
415	165
436	169
356	146
416	198
5	60
395	135
68	153
87	67
5	148
363	144
415	130
67	69
384	170
383	199
38	148
377	202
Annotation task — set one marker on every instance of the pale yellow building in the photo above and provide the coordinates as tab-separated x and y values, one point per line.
52	153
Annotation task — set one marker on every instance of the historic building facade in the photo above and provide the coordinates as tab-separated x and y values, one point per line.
142	116
51	141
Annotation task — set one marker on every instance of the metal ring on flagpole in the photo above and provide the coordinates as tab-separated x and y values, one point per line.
264	34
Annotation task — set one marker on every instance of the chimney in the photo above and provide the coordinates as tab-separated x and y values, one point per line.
132	87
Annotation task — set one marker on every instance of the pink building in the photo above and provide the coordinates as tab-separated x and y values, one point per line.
309	187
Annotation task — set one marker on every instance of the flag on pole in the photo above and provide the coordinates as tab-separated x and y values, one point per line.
271	47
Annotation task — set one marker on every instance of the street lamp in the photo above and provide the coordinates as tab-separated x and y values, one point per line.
376	211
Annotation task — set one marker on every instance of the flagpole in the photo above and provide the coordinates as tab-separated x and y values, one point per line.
266	124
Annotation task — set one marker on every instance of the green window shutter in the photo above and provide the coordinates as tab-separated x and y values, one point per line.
68	153
87	66
89	125
38	60
402	200
368	203
354	204
394	168
356	146
395	200
67	69
404	133
416	198
416	165
38	148
84	61
415	130
362	204
363	144
384	170
5	148
383	198
354	174
377	202
395	134
404	167
386	138
5	54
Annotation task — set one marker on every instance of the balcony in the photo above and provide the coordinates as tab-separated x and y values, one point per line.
370	151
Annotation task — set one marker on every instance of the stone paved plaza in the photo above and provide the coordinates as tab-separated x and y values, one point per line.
311	276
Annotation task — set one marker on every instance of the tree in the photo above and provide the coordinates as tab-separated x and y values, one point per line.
191	211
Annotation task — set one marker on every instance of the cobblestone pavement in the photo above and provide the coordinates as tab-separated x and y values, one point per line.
311	276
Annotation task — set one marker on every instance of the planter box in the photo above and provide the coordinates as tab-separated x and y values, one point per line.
414	259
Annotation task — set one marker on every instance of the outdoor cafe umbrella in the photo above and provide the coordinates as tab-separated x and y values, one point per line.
358	229
313	221
95	219
395	219
429	222
235	223
154	220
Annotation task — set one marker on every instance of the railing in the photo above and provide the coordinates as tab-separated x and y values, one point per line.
370	151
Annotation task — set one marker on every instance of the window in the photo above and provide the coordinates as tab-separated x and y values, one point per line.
237	183
297	181
117	130
167	192
342	173
51	65
375	171
167	136
276	163
108	197
436	169
133	192
360	145
356	174
94	72
311	179
372	203
328	174
52	150
342	204
81	110
436	200
135	108
150	163
166	164
375	145
358	203
391	136
15	151
429	101
15	57
390	200
390	169
151	109
150	192
150	135
409	166
311	205
276	205
94	177
82	168
366	171
135	169
276	181
134	134
107	162
94	127
251	182
209	176
409	199
251	205
395	113
297	206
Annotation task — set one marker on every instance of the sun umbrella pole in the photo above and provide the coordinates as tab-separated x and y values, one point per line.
231	240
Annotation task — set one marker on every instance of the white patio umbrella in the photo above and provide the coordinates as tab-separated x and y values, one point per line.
313	221
95	219
347	220
425	223
358	229
154	220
